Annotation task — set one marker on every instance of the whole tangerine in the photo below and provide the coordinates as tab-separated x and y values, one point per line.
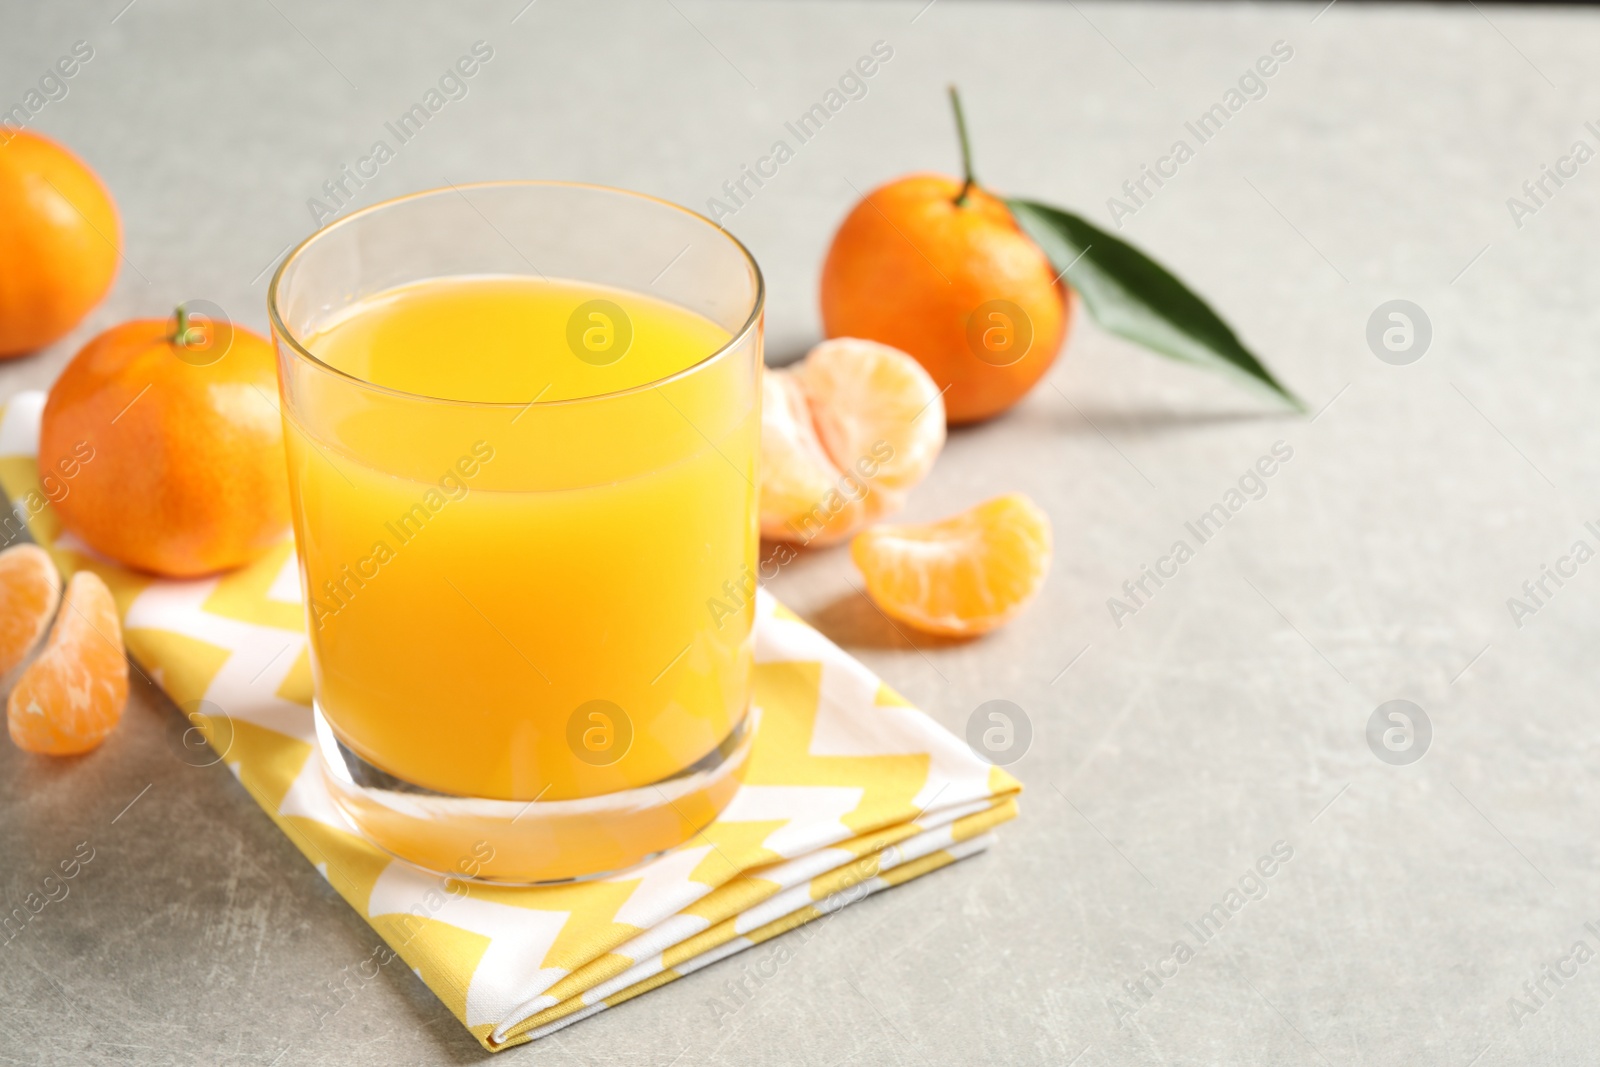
172	430
60	240
939	269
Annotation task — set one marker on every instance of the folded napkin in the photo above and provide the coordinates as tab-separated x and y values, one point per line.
849	790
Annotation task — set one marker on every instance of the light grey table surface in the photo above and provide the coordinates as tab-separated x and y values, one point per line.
1170	752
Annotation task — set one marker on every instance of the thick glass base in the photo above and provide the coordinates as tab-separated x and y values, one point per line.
530	842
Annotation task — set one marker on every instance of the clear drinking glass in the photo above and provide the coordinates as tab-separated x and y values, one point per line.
530	621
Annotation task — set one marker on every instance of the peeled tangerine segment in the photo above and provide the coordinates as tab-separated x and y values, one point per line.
959	576
873	402
845	434
30	592
72	696
795	471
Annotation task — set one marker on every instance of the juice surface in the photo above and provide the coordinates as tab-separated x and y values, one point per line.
506	340
483	580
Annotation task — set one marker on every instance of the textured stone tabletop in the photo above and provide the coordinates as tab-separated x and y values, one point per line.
1200	769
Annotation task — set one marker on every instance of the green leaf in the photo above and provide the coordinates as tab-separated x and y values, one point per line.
1133	296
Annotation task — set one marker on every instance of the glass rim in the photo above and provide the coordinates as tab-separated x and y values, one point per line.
735	341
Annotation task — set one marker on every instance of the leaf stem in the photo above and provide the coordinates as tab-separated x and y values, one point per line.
968	180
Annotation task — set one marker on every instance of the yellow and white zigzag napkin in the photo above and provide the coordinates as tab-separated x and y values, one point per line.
849	791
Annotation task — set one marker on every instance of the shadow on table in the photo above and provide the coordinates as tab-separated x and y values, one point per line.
853	621
1150	421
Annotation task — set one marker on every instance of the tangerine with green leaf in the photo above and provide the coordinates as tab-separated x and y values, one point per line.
971	285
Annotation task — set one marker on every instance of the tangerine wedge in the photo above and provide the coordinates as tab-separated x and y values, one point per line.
72	696
873	402
960	576
30	592
797	476
845	434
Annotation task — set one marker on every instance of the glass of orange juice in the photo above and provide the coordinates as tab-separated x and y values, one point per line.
522	422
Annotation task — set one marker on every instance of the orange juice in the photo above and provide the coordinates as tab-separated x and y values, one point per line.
523	592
